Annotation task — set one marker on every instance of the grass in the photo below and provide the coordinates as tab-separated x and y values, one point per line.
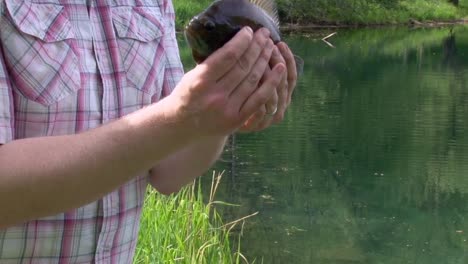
369	12
181	228
186	9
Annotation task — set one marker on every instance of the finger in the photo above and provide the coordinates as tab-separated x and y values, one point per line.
254	121
272	111
248	85
272	104
246	62
225	58
283	100
276	58
282	91
291	66
263	93
266	122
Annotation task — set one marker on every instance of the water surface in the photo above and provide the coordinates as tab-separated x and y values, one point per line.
371	162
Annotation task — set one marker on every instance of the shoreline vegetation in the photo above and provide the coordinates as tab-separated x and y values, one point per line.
185	228
307	28
306	15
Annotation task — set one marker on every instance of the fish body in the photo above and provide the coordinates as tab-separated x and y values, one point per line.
217	24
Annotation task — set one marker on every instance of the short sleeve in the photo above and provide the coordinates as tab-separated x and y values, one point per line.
6	103
174	70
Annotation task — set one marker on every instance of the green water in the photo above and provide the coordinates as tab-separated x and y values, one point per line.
371	162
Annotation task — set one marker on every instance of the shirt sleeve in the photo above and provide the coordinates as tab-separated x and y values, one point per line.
174	70
6	104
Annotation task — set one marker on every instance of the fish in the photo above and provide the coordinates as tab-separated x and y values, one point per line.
219	22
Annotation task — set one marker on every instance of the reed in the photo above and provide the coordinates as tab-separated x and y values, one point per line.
182	228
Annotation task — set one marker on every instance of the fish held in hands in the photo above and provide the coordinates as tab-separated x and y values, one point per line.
217	24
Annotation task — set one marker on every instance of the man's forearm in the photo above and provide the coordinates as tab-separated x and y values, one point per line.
43	176
169	175
48	175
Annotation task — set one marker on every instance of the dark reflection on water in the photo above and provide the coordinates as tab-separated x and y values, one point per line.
370	164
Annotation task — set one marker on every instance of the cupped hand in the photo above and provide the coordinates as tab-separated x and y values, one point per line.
218	96
274	110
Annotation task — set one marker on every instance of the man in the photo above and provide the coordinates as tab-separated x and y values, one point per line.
94	105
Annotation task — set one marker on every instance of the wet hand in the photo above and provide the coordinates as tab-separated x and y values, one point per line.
219	95
274	110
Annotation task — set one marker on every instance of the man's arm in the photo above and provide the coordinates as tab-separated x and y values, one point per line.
47	175
185	165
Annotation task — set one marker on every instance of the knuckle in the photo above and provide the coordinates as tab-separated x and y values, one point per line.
244	64
196	87
254	77
201	79
197	71
215	103
231	55
266	55
263	98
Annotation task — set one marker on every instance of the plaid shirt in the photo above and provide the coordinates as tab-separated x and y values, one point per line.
67	66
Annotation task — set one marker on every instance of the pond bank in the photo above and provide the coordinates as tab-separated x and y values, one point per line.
350	13
311	27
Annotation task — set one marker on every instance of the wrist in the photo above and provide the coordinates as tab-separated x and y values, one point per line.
158	129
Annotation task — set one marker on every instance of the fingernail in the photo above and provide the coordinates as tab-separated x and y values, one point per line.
249	30
282	46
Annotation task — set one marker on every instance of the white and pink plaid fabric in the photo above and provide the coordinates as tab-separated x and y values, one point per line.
67	66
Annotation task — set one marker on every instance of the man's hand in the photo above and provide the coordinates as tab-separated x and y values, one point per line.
273	111
219	95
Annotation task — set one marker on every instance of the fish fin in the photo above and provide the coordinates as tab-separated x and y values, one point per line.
299	65
269	6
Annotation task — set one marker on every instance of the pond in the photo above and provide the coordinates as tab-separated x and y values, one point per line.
371	162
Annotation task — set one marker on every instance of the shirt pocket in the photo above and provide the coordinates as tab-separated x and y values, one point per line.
40	51
140	31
